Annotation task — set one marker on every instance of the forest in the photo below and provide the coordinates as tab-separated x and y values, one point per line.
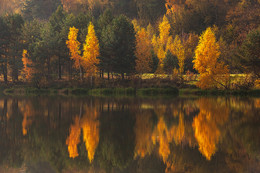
207	43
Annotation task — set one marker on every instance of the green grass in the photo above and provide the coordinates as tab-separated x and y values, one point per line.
186	92
112	91
157	91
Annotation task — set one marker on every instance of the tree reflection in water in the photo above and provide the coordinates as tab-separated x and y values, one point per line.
89	124
213	113
130	135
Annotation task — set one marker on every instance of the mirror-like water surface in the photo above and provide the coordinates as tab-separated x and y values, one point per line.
205	134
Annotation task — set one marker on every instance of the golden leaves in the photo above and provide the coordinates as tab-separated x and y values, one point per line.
159	43
27	70
91	51
73	44
213	74
143	52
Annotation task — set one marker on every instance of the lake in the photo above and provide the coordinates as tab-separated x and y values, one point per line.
138	135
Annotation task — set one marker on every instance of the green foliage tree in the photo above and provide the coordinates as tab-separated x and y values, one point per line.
4	36
249	54
39	9
119	45
103	22
15	23
170	62
149	11
56	39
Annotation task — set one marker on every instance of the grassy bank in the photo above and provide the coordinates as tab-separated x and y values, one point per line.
199	92
168	91
93	92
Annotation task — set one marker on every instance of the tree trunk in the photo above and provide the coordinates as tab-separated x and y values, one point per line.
59	70
49	68
123	76
14	71
108	75
80	73
5	72
70	71
91	81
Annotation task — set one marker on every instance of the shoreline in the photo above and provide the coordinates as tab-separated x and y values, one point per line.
131	92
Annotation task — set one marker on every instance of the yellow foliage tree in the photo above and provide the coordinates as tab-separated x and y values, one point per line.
177	49
136	25
143	52
213	74
91	51
160	43
27	70
73	44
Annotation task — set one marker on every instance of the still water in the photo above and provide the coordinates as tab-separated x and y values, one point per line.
135	135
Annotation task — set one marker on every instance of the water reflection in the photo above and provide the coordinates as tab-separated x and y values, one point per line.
130	135
213	114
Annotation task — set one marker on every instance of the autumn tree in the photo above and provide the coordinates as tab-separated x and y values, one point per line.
160	43
74	45
213	74
91	52
27	70
143	52
190	44
177	49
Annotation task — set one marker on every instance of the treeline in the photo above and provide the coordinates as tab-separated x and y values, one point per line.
132	36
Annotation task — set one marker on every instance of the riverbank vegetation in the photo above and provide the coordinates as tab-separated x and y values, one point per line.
212	45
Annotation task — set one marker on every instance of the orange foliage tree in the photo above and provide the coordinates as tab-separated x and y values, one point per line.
143	52
73	44
213	74
27	70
